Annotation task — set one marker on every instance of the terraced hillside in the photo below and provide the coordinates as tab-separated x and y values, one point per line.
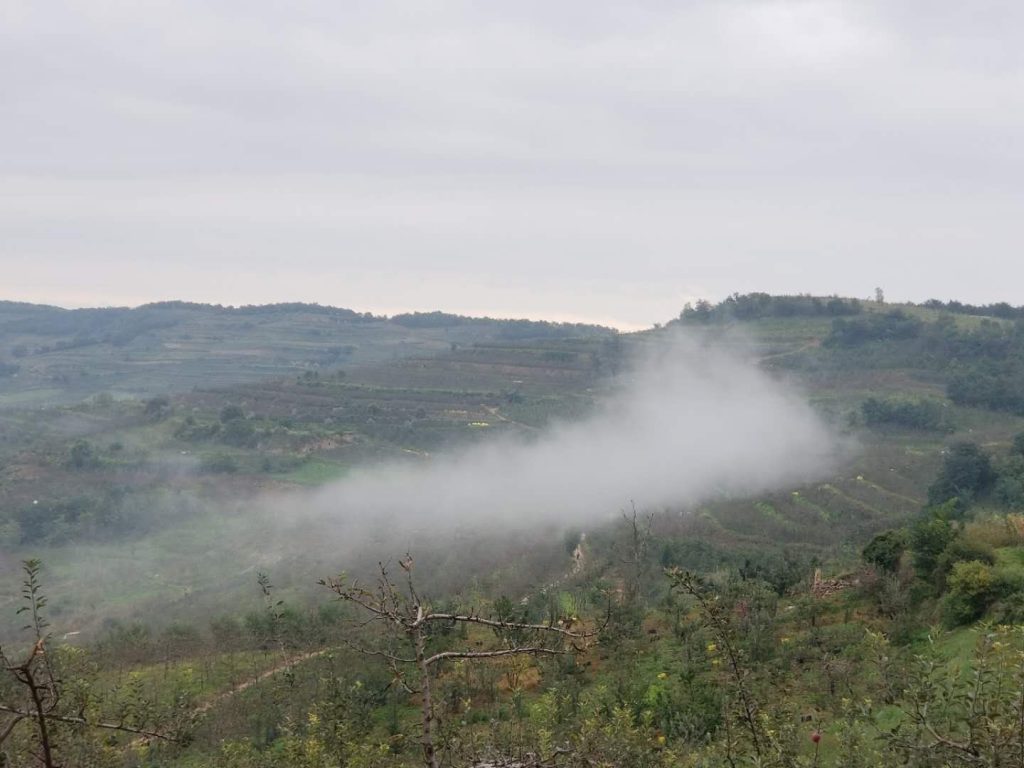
51	355
122	496
157	518
142	481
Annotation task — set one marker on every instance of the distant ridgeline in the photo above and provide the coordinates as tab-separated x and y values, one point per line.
119	326
981	355
1001	310
506	328
265	309
754	306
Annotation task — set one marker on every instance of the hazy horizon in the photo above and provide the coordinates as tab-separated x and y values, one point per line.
594	163
554	317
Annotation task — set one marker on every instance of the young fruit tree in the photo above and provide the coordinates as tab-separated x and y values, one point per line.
37	693
409	628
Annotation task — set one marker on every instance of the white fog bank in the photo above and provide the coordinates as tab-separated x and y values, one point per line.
688	423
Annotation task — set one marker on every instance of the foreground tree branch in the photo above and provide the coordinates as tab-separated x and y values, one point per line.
410	619
71	720
41	700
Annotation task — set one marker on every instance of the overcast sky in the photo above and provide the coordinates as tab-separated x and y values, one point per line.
569	160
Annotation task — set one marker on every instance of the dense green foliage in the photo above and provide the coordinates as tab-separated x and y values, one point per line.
1001	310
890	326
915	413
792	629
755	306
983	366
966	474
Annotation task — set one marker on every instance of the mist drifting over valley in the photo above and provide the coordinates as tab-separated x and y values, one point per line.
686	422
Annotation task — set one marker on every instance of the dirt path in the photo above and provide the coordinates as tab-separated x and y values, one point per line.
812	344
223	696
493	410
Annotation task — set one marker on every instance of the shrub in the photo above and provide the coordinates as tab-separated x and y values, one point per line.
997	385
1009	487
913	413
972	589
157	408
82	456
966	474
885	550
239	433
929	538
231	413
959	550
218	463
873	327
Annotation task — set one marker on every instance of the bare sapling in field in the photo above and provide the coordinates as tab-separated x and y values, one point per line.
409	628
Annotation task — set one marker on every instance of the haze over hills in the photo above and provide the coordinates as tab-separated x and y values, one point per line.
157	459
233	404
590	468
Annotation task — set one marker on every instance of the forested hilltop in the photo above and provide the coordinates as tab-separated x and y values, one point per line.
159	615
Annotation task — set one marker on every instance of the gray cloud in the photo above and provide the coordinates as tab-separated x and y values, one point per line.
600	160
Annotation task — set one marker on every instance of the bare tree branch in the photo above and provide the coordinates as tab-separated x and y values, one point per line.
517	651
91	724
407	614
472	619
382	654
10	727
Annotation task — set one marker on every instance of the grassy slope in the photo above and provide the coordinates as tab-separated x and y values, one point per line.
312	431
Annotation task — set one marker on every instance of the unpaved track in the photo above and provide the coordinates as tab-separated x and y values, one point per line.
223	696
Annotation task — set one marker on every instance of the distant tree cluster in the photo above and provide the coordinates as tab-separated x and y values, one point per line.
984	365
923	413
1001	310
875	326
951	553
967	473
755	306
232	428
988	384
265	309
113	512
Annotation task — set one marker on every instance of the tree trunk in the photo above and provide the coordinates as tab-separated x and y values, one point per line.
44	732
429	755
